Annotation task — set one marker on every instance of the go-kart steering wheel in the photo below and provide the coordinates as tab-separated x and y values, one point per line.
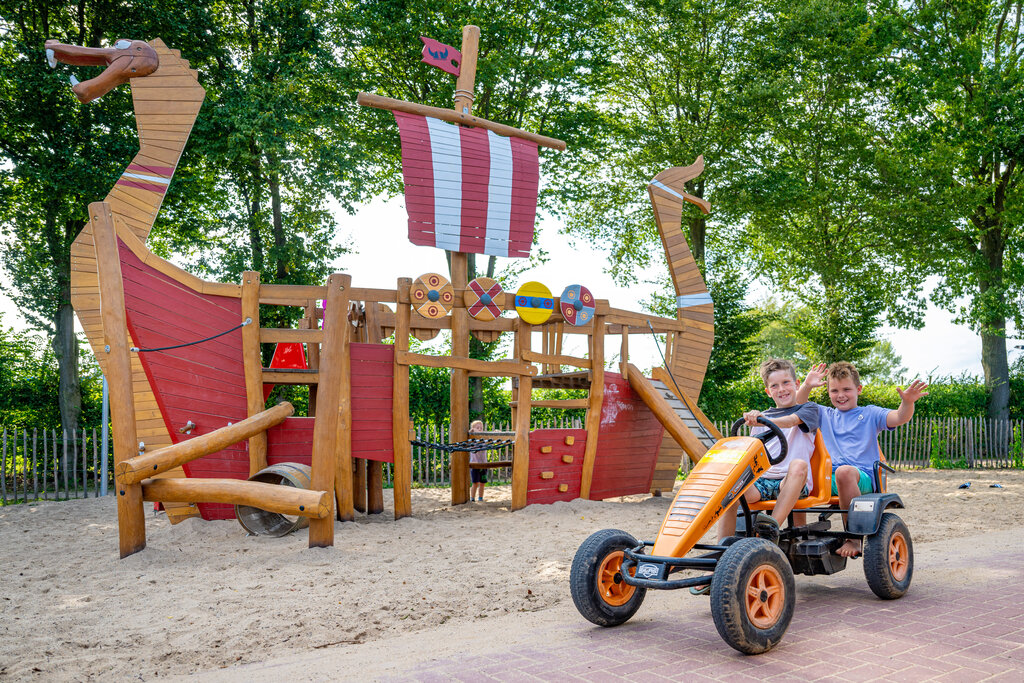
765	437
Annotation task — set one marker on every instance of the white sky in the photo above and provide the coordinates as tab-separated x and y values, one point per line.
378	234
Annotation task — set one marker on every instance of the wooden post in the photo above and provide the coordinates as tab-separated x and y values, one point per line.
400	406
312	352
359	485
325	429
343	484
624	353
131	520
593	421
521	448
374	487
467	69
252	362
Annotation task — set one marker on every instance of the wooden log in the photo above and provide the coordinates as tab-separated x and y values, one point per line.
624	353
378	102
252	362
285	500
325	428
521	449
131	520
562	403
344	495
274	335
374	487
400	407
593	419
313	352
299	294
665	415
134	470
467	69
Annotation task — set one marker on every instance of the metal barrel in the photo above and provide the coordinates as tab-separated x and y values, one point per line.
257	521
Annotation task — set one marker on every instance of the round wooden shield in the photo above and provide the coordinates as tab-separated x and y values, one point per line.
485	299
577	305
432	296
534	303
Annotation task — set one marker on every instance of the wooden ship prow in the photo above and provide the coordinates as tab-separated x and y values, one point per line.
187	378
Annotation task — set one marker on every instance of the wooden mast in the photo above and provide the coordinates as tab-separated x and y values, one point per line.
459	427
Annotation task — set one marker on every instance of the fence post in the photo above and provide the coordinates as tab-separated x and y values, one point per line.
64	463
3	472
24	462
35	478
105	435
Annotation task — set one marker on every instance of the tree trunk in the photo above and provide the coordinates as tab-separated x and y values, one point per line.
994	359
65	348
280	253
255	209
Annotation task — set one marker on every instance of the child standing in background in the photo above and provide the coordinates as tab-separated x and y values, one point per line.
477	476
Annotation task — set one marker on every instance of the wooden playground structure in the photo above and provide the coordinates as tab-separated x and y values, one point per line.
183	355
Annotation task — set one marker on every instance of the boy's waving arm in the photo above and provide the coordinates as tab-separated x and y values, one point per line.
908	397
815	378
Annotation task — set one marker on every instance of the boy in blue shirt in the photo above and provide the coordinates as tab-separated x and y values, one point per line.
850	432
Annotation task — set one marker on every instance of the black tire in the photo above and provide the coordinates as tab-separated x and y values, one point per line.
889	558
752	622
596	584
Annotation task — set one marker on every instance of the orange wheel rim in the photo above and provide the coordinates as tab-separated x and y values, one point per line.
613	589
899	556
765	597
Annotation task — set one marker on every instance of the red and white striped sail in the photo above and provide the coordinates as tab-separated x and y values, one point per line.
468	189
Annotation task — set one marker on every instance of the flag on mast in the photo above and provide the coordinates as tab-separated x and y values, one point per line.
442	56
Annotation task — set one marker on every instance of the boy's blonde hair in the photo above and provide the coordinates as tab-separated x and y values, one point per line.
841	370
774	365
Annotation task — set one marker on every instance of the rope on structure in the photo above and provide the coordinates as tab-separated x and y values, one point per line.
247	321
470	446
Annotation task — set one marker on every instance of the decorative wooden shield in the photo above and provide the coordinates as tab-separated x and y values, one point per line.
577	305
485	299
534	303
432	296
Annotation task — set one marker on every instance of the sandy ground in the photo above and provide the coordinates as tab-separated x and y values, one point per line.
203	596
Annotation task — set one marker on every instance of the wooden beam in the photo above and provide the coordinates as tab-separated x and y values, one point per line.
374	487
300	294
131	519
252	362
563	403
556	360
285	500
500	368
593	420
666	416
344	493
459	425
521	425
134	470
369	100
359	484
274	335
400	407
624	353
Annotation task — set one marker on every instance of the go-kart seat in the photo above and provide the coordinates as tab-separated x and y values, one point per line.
821	478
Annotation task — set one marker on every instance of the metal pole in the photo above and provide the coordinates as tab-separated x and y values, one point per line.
105	429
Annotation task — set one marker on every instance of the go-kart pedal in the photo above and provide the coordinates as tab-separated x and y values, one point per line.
766	527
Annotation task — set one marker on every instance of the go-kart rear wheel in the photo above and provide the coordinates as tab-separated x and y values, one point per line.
889	558
752	595
595	579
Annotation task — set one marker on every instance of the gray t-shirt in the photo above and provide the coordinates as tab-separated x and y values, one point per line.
800	439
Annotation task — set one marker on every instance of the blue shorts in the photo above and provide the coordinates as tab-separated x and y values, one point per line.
769	488
864	483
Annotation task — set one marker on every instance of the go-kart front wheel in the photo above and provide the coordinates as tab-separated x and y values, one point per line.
889	558
752	595
595	579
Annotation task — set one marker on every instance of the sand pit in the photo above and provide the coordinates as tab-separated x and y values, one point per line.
204	596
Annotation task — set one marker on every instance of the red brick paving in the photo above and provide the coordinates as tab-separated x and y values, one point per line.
840	631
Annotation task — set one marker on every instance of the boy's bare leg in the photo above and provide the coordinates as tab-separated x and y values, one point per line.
789	491
847	478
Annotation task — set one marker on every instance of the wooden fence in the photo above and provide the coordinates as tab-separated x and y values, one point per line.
950	443
45	464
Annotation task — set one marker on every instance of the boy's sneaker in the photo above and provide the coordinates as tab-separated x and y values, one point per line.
766	527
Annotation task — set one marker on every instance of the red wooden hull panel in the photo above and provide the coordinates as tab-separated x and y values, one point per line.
627	442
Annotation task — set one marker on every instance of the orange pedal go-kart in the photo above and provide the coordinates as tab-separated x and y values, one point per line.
751	578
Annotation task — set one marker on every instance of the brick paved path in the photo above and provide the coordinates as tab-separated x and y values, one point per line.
962	620
839	631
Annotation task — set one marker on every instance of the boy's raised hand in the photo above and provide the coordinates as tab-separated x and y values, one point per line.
815	376
913	392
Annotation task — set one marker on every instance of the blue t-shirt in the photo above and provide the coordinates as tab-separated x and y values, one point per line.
851	436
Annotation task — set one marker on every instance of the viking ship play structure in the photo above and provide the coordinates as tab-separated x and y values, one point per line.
183	355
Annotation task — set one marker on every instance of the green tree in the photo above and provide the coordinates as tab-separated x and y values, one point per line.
822	228
959	150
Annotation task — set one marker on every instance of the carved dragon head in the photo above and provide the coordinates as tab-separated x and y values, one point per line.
126	60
